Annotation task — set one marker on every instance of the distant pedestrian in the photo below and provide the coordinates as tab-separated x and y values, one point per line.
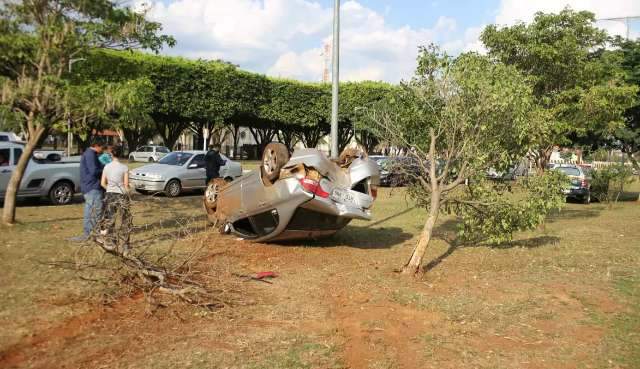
213	161
90	174
115	181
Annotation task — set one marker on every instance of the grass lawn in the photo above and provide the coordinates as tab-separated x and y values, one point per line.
564	296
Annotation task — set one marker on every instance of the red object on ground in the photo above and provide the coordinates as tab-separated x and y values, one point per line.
262	275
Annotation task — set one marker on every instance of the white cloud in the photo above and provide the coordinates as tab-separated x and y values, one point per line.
511	11
240	30
284	37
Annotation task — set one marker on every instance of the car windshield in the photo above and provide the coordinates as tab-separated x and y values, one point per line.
176	158
162	149
569	171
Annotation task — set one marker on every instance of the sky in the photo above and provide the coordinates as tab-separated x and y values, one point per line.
379	38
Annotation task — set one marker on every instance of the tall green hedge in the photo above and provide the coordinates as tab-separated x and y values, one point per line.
215	92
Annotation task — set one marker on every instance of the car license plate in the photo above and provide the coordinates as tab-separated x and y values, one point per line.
344	196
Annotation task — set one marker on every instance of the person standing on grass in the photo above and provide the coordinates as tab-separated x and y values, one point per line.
115	181
213	161
90	174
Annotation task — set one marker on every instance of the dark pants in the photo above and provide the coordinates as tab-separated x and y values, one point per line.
116	206
209	179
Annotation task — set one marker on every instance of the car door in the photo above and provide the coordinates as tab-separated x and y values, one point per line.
146	153
6	168
230	168
196	173
137	154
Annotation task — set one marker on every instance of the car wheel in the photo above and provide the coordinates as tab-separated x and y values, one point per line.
173	188
131	158
61	193
211	195
151	160
274	157
587	199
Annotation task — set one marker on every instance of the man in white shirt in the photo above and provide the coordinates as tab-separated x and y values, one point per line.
115	181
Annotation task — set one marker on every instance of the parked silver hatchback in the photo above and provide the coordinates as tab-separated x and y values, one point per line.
177	172
305	196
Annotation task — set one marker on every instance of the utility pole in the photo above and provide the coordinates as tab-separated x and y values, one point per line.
69	133
336	80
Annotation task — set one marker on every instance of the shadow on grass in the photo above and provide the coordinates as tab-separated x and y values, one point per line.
585	211
629	196
529	243
383	220
446	232
359	238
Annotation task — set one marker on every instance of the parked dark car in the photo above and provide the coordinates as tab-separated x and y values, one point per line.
579	187
396	171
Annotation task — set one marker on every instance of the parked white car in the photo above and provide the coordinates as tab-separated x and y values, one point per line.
177	172
9	137
149	153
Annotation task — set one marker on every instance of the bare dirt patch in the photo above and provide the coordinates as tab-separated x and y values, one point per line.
338	304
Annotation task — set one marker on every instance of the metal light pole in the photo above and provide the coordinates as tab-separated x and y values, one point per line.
69	134
335	80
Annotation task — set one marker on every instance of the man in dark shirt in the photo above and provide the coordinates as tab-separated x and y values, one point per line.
213	161
90	175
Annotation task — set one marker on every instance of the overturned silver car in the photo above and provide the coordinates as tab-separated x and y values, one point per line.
305	196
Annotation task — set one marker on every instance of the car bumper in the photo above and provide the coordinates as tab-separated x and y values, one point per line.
576	192
328	206
147	185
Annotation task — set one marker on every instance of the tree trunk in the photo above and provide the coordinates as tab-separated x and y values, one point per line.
262	136
235	134
415	261
311	136
345	134
633	160
9	209
368	141
288	137
542	157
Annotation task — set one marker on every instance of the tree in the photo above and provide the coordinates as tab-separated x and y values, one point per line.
133	102
457	118
629	133
55	33
575	81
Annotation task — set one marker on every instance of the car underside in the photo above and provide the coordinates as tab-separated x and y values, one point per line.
305	196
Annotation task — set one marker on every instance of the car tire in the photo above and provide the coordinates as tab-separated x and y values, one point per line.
274	157
587	199
61	193
210	199
131	158
151	160
173	188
